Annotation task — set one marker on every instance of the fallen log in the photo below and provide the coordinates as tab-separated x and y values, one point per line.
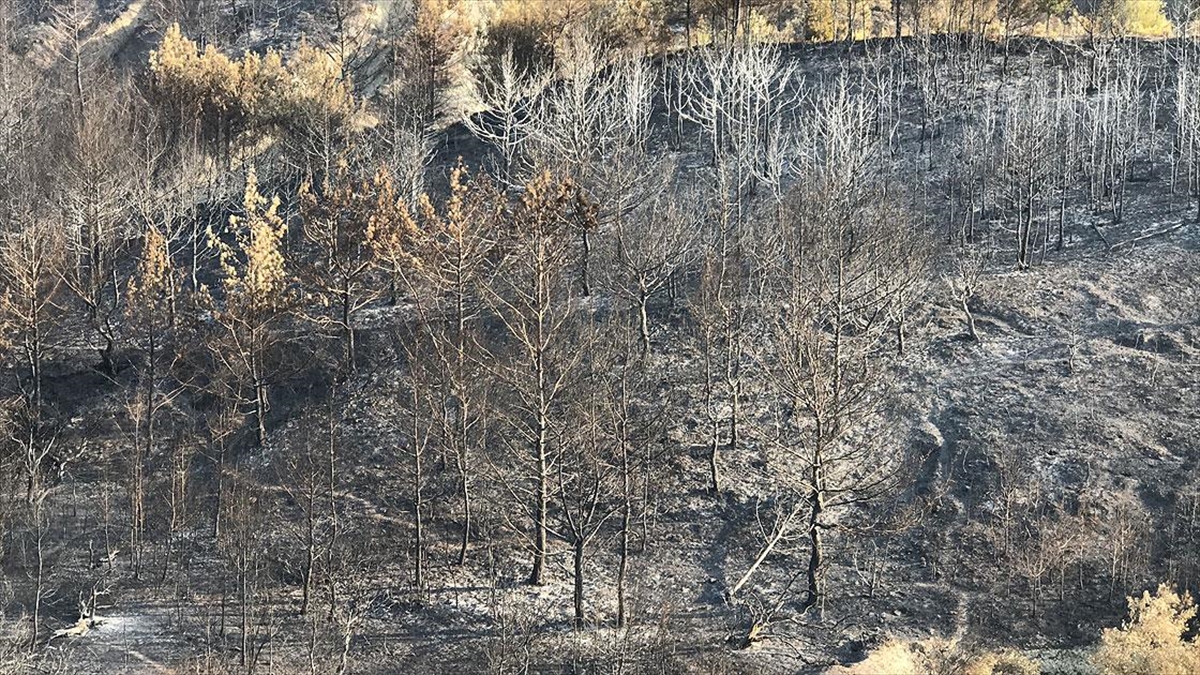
78	629
1159	233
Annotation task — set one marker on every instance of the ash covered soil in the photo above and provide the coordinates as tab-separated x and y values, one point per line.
1084	388
1067	435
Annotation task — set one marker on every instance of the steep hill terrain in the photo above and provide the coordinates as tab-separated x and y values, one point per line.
740	359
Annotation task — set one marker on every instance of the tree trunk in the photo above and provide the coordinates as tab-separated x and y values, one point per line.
623	564
537	573
585	263
244	598
260	411
108	362
714	468
578	569
816	551
644	319
735	413
970	320
714	440
330	550
465	542
39	576
310	548
461	376
347	329
418	505
781	529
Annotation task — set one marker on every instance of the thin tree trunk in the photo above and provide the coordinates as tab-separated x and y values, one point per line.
330	575
418	502
40	576
644	319
585	263
623	553
260	411
310	548
348	330
541	507
816	551
578	570
782	529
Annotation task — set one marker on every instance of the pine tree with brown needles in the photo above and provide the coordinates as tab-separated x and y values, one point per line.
255	296
337	219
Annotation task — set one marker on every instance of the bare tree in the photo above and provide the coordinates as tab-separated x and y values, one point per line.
302	479
418	433
964	283
647	247
1186	168
971	171
30	256
1182	14
1026	165
590	127
932	83
457	251
1115	124
506	94
536	307
34	440
828	369
632	421
740	98
587	468
97	192
837	270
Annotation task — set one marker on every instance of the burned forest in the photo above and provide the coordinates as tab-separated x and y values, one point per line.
606	337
